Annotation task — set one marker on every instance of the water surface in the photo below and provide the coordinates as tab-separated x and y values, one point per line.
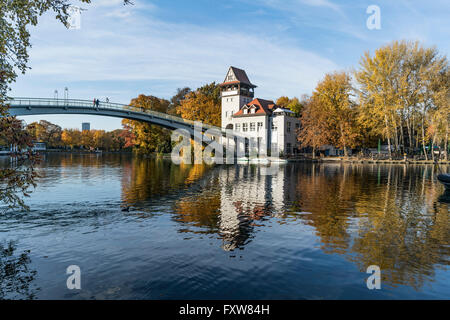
227	232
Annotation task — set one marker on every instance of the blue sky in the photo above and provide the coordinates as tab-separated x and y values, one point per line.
156	46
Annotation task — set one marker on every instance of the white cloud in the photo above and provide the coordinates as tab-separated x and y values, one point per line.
147	49
322	3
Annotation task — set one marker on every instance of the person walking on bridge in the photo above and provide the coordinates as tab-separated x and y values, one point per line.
97	103
95	100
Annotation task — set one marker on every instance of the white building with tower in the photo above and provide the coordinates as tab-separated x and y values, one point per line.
265	123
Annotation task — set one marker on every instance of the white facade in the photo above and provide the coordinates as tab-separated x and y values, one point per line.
233	98
266	124
284	130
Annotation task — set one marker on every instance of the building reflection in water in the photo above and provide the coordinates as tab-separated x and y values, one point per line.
392	216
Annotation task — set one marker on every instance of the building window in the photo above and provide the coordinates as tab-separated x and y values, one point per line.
238	127
252	126
297	125
273	127
288	129
288	148
245	127
260	125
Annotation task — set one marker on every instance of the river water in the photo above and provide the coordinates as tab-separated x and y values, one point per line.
148	229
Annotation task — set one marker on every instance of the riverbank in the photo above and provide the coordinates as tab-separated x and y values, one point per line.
387	161
270	159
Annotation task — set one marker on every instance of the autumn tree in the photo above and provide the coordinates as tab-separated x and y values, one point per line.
45	131
128	136
148	137
293	104
18	179
333	95
71	137
117	139
400	88
314	131
175	101
202	105
330	116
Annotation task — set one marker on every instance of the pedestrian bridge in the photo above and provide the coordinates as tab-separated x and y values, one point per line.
42	106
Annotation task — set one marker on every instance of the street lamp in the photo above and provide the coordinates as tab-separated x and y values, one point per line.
66	95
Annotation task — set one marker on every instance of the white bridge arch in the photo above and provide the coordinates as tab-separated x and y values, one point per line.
42	106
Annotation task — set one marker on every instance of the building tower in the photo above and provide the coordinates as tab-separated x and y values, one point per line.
236	91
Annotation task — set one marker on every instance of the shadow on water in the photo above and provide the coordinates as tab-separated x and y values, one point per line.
16	276
445	197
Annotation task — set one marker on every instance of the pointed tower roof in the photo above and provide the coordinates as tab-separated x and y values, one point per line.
236	75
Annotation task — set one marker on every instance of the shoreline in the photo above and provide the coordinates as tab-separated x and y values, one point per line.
251	161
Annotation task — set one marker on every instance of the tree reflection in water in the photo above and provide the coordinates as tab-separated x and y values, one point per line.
16	277
394	222
391	216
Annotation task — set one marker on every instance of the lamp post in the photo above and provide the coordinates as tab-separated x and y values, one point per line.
66	95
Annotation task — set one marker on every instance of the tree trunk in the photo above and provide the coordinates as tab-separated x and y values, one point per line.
388	136
432	147
402	138
410	138
446	145
423	140
343	141
395	134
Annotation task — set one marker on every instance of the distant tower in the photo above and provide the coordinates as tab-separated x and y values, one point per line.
85	126
236	91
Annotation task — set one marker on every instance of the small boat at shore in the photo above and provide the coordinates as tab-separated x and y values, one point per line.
444	178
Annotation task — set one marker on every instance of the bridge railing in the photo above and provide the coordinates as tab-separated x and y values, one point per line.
48	102
89	104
